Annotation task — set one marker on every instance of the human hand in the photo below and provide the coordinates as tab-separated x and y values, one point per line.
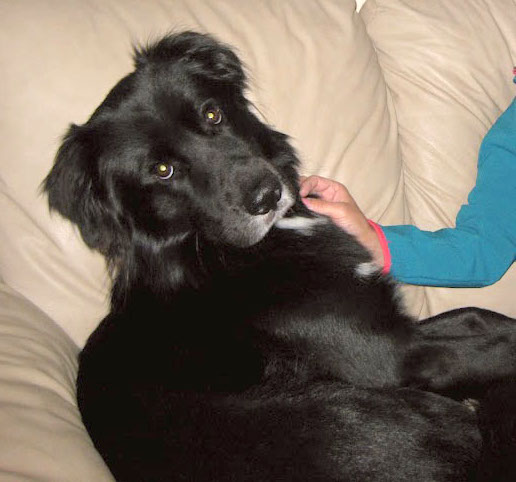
334	200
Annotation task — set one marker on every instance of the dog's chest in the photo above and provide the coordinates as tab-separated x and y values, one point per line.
277	321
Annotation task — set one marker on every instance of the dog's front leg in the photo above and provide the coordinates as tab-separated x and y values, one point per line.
461	353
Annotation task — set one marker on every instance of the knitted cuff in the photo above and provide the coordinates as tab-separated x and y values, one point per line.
387	261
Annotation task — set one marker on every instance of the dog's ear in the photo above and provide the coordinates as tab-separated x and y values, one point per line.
204	56
74	190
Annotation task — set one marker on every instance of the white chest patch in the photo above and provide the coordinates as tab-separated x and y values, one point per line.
364	270
300	223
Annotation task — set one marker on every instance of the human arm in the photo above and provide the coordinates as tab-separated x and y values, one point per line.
480	248
482	245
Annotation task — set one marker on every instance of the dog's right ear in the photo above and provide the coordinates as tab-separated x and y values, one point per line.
75	191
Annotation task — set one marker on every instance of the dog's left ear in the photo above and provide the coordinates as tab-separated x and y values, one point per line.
202	54
74	190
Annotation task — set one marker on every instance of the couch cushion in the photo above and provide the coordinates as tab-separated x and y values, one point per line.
314	75
449	69
41	436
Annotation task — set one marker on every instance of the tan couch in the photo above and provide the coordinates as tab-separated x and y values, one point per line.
393	101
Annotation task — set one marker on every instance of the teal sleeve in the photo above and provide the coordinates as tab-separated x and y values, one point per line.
482	246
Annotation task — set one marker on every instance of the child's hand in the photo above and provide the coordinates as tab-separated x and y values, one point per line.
335	201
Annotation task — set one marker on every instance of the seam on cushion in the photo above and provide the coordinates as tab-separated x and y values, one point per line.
369	5
375	9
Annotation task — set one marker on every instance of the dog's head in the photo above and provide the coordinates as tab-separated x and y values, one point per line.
174	151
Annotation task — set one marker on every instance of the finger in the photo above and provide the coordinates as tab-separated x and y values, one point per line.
308	185
320	186
325	189
320	206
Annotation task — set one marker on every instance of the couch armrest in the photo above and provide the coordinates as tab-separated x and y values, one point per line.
41	436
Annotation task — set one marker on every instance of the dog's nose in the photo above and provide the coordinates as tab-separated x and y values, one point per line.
264	195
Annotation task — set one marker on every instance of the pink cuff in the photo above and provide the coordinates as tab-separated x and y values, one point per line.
387	261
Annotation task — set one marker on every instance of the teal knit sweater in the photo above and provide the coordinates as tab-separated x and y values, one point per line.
482	246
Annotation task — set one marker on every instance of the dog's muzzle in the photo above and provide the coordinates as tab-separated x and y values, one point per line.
264	196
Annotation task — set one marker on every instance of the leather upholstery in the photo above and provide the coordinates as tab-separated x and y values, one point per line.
393	101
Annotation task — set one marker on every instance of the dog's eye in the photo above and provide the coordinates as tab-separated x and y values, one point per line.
163	170
213	116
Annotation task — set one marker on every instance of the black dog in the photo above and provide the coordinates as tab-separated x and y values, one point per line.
250	340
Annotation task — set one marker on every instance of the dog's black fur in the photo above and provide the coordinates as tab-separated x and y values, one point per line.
248	339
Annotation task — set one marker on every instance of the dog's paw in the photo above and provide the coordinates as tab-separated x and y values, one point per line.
429	367
471	404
